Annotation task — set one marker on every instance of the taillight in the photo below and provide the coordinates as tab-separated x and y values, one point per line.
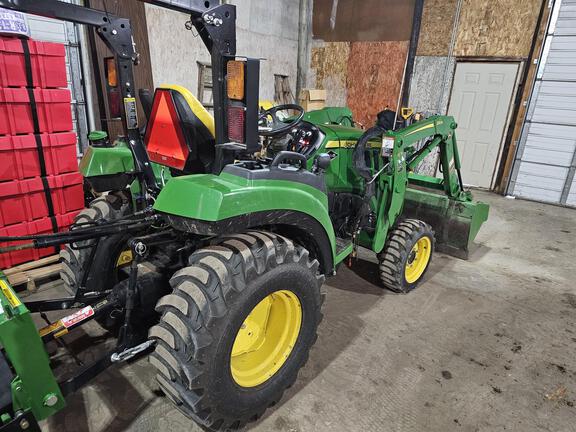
241	101
112	90
236	120
235	79
111	75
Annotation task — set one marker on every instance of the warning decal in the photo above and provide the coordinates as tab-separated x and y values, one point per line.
77	317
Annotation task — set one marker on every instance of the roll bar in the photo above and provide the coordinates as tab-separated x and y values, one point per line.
215	23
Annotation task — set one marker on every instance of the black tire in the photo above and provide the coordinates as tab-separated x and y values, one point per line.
201	317
397	254
103	274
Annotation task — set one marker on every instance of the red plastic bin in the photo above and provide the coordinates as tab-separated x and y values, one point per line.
41	226
25	200
48	61
20	160
53	106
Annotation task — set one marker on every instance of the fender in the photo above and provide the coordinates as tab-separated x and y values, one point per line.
207	198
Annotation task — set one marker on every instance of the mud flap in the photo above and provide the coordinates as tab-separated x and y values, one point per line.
455	223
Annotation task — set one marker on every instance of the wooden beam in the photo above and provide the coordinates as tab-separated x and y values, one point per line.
32	265
30	277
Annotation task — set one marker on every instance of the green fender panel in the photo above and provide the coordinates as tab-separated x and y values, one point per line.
98	161
212	198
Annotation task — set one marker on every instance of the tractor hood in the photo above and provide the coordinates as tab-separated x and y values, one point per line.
228	200
212	198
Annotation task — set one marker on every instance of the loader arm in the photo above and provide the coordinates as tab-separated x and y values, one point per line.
441	202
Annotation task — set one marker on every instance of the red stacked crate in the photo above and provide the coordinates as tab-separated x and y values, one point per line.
40	187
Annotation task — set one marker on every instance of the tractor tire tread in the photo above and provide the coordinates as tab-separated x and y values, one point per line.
215	276
392	259
107	207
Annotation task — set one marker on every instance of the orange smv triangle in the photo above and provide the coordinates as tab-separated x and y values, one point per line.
164	138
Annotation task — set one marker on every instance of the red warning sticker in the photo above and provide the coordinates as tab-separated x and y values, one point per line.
77	317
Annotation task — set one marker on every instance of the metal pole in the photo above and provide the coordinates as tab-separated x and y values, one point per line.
455	24
304	31
415	35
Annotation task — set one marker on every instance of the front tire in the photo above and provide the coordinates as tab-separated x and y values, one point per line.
207	363
406	255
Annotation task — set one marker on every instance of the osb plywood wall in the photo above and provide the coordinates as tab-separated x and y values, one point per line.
436	27
330	66
487	28
375	72
365	76
496	28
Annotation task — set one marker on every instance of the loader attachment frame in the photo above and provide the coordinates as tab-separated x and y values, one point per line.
441	202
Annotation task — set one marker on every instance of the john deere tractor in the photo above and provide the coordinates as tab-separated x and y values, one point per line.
213	236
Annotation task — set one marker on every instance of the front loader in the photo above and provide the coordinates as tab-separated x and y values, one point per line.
213	237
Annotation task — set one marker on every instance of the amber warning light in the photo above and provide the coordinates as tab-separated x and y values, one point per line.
235	79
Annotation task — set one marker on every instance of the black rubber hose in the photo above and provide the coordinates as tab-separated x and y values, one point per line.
359	160
359	156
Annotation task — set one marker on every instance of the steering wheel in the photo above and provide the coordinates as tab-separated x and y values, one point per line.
274	125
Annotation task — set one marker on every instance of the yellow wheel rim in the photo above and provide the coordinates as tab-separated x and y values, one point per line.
418	259
266	338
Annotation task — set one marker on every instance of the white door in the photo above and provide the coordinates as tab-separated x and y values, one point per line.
480	101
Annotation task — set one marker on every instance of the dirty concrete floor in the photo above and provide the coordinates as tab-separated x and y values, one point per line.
483	345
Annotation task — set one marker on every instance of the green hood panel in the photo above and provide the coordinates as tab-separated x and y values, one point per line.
211	198
98	161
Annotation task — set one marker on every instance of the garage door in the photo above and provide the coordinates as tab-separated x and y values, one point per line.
46	29
546	157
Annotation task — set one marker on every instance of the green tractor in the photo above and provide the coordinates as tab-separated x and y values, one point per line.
212	238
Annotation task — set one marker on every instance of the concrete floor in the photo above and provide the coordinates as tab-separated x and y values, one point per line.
483	345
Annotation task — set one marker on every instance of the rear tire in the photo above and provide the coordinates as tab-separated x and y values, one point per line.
207	309
103	274
406	255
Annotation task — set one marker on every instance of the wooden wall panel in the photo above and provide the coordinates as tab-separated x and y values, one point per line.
375	72
330	65
436	27
496	28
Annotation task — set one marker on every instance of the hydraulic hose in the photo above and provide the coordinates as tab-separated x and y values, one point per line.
359	156
76	235
359	160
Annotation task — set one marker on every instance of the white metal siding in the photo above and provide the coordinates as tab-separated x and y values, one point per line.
546	158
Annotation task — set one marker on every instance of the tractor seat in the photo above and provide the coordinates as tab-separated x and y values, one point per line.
180	131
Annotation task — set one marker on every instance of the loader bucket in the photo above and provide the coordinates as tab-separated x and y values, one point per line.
455	222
